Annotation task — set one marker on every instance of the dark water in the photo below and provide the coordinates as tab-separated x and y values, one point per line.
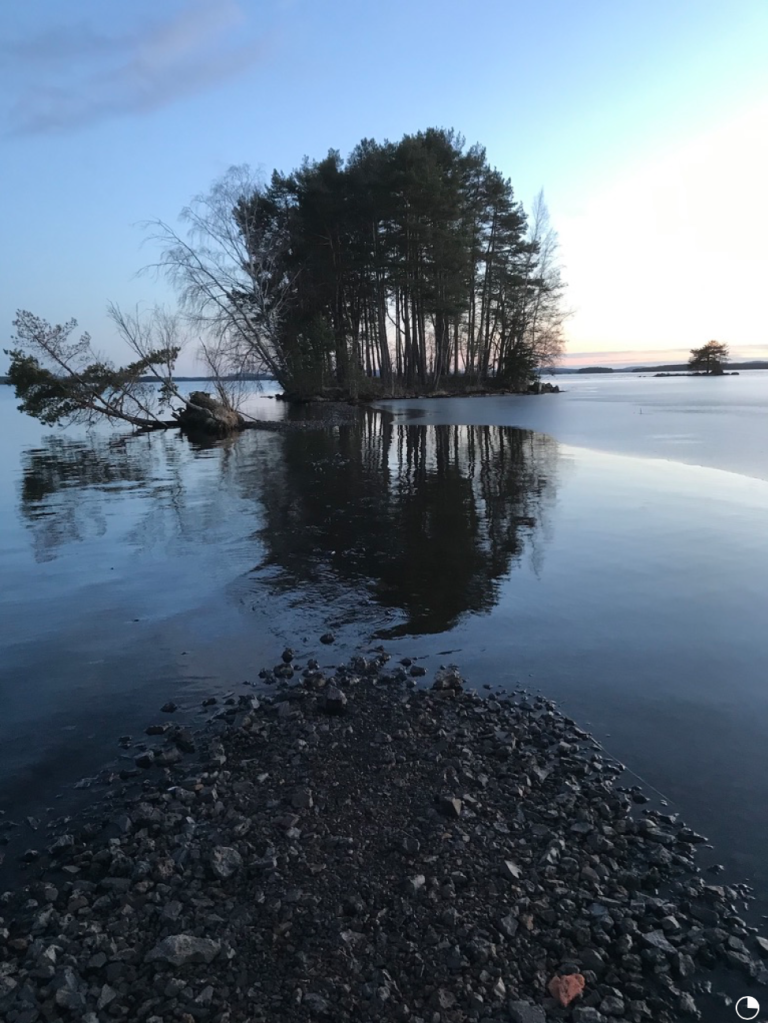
138	569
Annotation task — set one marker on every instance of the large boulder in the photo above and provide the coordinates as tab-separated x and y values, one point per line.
205	414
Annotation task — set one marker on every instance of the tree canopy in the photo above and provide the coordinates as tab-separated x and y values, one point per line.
710	358
403	264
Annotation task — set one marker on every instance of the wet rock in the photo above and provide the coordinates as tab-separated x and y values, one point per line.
327	638
169	707
448	680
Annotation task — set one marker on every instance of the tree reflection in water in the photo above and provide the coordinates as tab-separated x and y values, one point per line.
426	520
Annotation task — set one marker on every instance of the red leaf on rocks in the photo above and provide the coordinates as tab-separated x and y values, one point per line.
564	989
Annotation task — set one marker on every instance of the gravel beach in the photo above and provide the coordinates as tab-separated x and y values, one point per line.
359	843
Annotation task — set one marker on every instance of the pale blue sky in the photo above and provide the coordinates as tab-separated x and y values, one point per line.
646	124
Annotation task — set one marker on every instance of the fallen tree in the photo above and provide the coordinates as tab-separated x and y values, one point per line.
60	381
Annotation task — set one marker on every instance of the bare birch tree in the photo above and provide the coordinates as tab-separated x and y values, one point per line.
229	276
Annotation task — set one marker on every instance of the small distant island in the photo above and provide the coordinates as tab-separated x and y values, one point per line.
595	369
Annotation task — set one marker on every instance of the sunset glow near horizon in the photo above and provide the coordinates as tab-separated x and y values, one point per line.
647	129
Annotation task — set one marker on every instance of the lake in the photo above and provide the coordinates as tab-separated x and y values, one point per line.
606	546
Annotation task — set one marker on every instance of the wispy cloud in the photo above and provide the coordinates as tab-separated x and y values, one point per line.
65	78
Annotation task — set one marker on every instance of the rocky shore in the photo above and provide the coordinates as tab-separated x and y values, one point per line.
346	844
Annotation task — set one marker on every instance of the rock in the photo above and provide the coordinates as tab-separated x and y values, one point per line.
327	638
417	671
448	679
225	862
586	1014
526	1012
205	414
687	1006
762	945
442	999
180	949
63	844
145	759
302	799
450	807
565	988
316	1004
334	701
612	1005
169	707
657	939
106	996
509	925
510	871
184	740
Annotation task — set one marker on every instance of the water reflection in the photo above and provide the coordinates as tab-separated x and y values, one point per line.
71	489
425	520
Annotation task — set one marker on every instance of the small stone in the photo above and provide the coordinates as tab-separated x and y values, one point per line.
225	861
762	945
450	807
509	925
145	759
62	844
612	1005
106	995
335	701
417	671
442	999
657	939
415	883
302	799
315	1003
526	1012
510	870
587	1014
169	707
327	638
287	655
180	949
687	1005
156	729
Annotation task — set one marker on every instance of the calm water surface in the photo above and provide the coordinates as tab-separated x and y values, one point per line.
621	572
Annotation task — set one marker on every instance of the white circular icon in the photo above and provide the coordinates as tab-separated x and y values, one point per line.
747	1007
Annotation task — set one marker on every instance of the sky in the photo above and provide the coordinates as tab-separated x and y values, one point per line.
645	124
